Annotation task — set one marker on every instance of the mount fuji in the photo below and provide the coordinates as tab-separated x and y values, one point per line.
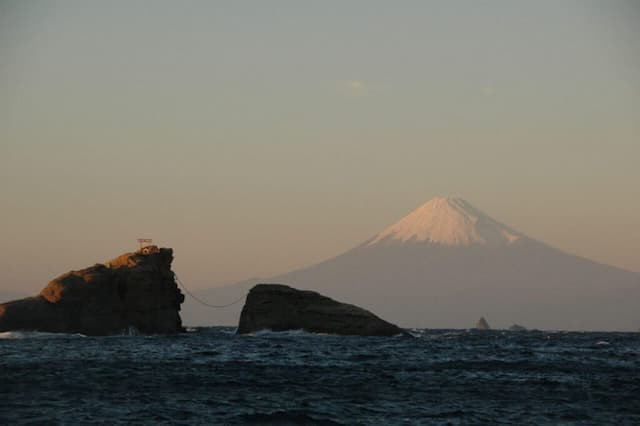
447	264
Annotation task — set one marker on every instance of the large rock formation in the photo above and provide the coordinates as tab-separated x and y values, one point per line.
135	291
279	307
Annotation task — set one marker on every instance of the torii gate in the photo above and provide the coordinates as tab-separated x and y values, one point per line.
144	242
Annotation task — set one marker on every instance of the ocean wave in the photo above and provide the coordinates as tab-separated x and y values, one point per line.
285	417
302	332
37	335
211	377
271	333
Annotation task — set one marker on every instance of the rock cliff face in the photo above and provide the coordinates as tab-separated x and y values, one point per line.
279	307
134	290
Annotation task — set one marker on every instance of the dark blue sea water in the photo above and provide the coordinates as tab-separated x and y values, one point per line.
212	376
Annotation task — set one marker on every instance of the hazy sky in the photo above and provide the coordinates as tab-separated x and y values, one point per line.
257	137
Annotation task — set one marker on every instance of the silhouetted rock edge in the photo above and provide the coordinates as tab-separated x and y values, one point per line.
278	307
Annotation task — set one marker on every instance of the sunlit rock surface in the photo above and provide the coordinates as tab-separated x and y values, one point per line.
134	291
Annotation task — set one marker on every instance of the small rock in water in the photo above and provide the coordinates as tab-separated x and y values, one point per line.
517	327
482	324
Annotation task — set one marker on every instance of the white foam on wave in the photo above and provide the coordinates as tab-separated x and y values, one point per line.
36	335
271	333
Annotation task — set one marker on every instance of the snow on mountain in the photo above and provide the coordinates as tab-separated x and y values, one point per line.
448	221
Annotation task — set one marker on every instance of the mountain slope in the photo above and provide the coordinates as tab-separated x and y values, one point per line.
447	264
9	295
450	222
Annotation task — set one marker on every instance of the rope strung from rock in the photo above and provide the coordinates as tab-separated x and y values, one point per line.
197	299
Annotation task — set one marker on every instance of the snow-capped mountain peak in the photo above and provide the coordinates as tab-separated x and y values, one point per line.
448	221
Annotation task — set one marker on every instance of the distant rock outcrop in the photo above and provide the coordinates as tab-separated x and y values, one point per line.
482	324
279	307
134	291
517	327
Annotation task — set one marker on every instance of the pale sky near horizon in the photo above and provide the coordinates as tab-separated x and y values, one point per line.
259	137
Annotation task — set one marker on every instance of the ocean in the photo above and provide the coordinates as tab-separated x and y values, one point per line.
213	376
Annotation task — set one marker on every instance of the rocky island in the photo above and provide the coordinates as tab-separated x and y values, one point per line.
482	324
133	292
517	327
279	307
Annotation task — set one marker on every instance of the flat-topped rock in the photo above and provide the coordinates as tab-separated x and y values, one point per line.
517	327
279	307
134	291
